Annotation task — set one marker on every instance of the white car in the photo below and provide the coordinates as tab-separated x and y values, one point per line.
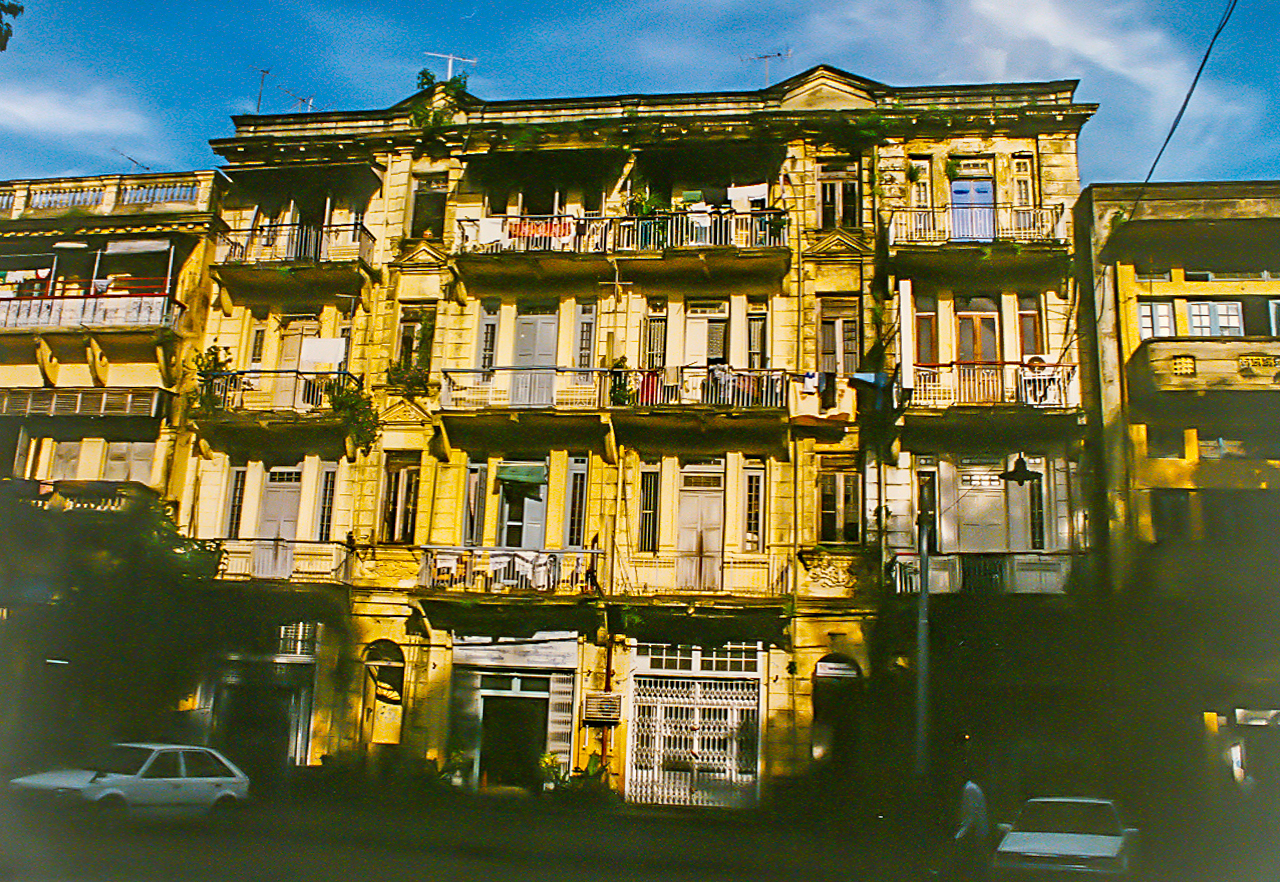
1065	838
158	780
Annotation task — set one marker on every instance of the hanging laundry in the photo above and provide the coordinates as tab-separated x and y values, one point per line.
491	230
810	383
446	561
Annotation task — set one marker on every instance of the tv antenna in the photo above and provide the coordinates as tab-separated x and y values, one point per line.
308	103
261	82
781	56
136	165
451	59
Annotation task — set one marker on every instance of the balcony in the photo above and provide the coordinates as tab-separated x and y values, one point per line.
1206	364
132	303
612	235
704	571
273	391
287	559
972	224
1033	384
296	243
115	194
1031	572
510	570
593	389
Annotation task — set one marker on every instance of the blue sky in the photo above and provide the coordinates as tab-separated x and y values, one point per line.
156	80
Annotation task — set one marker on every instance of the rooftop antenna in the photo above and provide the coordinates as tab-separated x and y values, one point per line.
307	103
136	165
261	82
451	59
781	56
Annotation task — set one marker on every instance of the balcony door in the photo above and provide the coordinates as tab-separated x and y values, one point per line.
979	377
524	506
534	382
289	390
700	530
278	523
973	209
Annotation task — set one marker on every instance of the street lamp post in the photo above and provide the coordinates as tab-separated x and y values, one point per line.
924	525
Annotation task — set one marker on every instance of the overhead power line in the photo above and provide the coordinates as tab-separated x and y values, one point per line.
1226	17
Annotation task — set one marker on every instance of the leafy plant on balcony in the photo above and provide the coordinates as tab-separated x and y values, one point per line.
354	408
412	380
210	365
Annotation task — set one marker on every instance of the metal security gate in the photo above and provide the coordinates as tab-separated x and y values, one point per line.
694	742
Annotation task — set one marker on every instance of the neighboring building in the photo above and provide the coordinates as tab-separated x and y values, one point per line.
594	415
1183	283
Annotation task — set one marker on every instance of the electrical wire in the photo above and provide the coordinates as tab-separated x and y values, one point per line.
1222	24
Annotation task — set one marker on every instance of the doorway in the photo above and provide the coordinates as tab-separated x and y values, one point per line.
973	212
534	382
700	529
513	738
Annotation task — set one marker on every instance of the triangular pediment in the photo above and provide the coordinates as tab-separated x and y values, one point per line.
839	243
827	88
405	410
424	254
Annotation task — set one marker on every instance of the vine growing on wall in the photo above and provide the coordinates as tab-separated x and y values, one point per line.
428	114
210	365
354	409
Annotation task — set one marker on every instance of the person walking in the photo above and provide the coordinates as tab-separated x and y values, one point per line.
972	860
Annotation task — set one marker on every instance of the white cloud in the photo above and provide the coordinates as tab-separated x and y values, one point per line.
51	113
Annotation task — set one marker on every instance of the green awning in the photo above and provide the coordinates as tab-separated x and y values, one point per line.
514	473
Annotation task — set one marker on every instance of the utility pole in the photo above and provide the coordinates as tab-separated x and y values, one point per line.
451	59
924	527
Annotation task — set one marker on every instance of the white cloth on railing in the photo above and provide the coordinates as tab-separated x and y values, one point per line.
699	215
101	286
534	566
742	197
810	383
499	560
491	230
447	561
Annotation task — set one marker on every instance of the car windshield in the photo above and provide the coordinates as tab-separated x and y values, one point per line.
120	759
1096	818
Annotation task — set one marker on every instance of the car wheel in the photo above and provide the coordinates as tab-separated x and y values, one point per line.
227	810
110	811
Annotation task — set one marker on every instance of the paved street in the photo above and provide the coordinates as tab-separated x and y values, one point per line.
467	839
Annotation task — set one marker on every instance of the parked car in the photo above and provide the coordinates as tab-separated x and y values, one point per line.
157	780
1066	837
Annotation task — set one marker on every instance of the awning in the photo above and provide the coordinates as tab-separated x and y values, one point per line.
514	473
137	246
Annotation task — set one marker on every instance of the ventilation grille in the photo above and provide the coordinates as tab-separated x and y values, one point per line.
81	402
602	708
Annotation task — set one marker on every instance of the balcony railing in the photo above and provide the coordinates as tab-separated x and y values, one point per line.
102	195
593	388
1034	383
979	223
500	570
1030	572
285	559
255	390
705	570
606	235
296	243
118	310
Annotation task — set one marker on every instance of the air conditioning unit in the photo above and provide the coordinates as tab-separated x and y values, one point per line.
602	708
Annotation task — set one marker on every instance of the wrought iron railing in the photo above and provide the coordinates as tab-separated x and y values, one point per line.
100	310
977	223
603	235
1032	383
260	390
595	388
500	569
1023	572
296	243
285	559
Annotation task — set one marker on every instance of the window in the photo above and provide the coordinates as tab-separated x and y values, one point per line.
202	764
328	489
921	186
649	482
666	657
65	461
926	328
757	328
429	196
235	502
400	505
1035	509
576	515
978	324
1023	187
1030	333
838	347
488	338
1216	318
706	332
1155	319
585	337
838	194
655	336
731	658
258	342
417	332
753	507
927	501
477	491
298	638
128	461
839	517
165	765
